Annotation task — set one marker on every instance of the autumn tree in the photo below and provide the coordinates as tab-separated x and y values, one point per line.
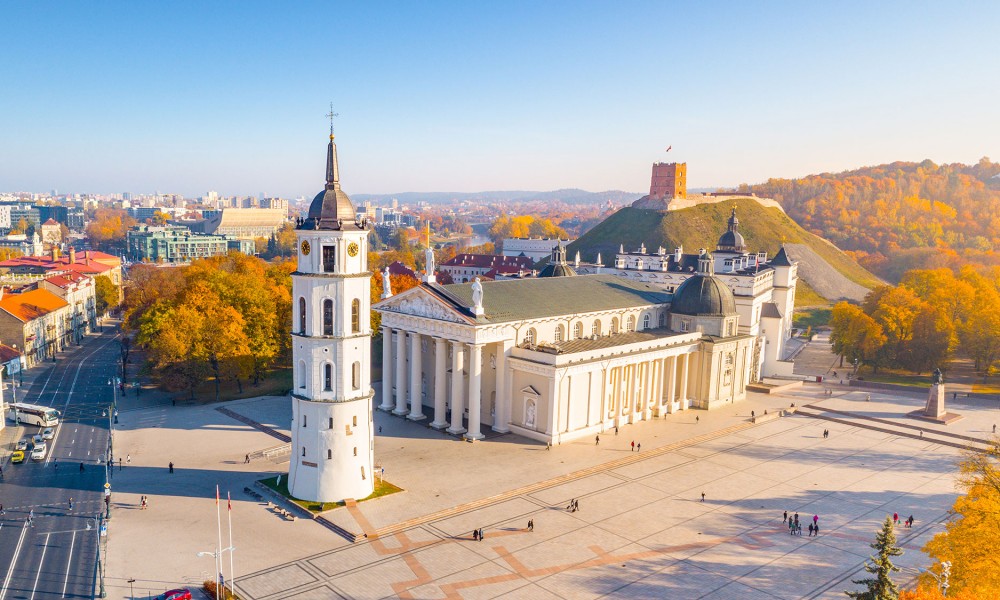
855	335
109	226
106	293
880	586
971	539
398	284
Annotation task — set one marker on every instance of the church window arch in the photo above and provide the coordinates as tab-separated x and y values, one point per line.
327	317
531	336
302	374
559	334
662	322
356	376
630	323
595	329
329	454
305	422
578	330
614	325
303	450
646	321
302	315
328	377
356	316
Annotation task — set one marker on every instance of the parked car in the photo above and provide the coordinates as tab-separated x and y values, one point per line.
17	457
39	452
48	433
22	444
179	594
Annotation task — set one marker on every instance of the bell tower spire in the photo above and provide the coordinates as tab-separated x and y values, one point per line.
332	169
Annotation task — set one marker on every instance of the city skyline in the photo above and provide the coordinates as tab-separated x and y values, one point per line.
452	98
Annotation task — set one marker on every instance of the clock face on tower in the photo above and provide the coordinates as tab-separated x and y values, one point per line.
352	249
306	247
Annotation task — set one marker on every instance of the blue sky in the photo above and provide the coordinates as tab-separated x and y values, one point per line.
467	96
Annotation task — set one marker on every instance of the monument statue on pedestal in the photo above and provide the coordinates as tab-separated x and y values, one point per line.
935	400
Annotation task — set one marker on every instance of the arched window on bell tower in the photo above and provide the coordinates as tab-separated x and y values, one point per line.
356	316
302	315
328	317
328	377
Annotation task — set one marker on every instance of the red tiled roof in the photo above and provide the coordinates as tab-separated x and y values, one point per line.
398	268
7	353
31	305
502	264
51	221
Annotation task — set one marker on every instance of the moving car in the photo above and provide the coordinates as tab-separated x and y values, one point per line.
22	444
48	433
17	457
179	594
37	439
38	452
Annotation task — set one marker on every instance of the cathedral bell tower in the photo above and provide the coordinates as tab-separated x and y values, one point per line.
332	437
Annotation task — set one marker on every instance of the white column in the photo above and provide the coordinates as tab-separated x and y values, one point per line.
416	379
501	420
475	392
400	373
440	385
457	389
387	368
671	382
650	389
685	401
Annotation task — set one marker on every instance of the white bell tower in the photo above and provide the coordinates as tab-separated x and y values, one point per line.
332	437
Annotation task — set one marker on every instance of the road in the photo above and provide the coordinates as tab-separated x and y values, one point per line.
56	556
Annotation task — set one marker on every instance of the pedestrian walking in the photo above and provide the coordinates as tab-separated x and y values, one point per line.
703	496
696	419
868	398
909	522
784	517
481	535
531	524
810	530
246	460
633	446
120	467
753	415
994	428
380	429
475	535
796	519
128	459
171	467
816	530
921	433
2	511
71	503
895	518
81	467
791	527
616	430
571	504
597	440
638	447
815	519
576	505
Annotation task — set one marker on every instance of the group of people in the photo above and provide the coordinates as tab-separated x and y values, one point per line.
477	534
908	522
143	503
795	528
574	505
826	433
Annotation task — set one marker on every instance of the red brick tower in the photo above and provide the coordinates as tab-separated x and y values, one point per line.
669	181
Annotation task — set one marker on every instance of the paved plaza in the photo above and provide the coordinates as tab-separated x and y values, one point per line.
641	531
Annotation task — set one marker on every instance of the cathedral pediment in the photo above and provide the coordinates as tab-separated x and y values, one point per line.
418	303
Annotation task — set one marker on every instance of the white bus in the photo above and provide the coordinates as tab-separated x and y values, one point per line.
32	414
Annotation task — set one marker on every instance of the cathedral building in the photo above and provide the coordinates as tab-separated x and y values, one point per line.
332	437
569	355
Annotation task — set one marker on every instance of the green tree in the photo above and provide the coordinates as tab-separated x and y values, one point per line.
106	293
880	585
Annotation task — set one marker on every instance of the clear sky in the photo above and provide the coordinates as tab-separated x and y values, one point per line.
188	97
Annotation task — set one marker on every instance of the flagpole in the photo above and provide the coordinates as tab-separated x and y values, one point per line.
218	520
232	573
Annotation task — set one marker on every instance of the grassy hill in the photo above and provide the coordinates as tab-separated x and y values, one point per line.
700	227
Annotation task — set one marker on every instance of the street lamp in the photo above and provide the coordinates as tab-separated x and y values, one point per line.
218	565
131	591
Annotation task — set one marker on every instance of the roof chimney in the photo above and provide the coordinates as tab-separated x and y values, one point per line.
72	255
55	253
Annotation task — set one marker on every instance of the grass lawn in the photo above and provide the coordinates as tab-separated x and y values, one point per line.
276	382
382	488
811	317
883	376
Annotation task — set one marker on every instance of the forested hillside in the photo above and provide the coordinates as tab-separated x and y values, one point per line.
900	216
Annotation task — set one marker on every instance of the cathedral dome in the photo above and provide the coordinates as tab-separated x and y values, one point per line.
331	208
703	295
732	240
558	267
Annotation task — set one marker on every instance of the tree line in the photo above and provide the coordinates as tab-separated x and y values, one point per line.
923	321
226	317
900	216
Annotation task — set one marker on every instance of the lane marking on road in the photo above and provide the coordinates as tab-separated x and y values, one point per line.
38	574
72	388
69	561
13	561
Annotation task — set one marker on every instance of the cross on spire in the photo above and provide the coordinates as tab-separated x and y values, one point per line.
331	115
